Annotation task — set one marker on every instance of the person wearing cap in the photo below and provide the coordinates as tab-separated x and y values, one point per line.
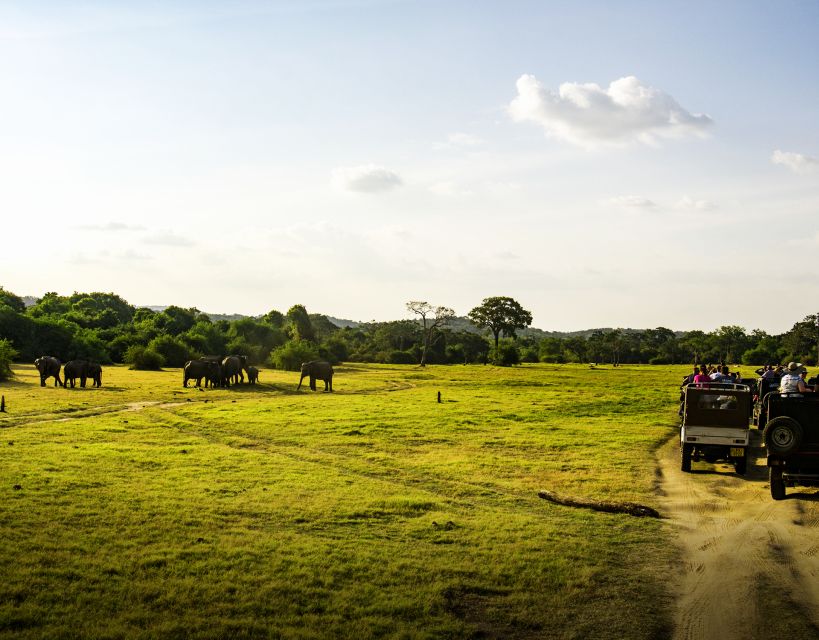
792	382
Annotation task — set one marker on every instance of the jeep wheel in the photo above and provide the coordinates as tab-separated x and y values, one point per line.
777	483
782	435
741	464
685	457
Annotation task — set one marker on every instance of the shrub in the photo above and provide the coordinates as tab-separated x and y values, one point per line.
290	356
550	358
174	352
506	355
336	350
455	354
7	356
87	345
401	357
144	359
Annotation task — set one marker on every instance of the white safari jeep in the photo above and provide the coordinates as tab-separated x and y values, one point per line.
715	424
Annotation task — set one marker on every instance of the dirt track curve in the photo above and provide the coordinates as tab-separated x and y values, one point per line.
750	565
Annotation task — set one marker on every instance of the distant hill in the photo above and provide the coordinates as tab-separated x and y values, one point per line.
339	322
215	317
456	324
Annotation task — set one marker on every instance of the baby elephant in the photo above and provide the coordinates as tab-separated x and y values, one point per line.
83	370
252	374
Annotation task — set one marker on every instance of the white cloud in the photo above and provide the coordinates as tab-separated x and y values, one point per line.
107	257
168	239
367	178
450	189
796	162
633	202
687	203
110	226
459	139
589	115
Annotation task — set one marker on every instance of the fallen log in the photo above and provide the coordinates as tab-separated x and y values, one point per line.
631	508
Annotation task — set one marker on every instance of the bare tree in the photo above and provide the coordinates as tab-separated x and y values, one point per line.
432	318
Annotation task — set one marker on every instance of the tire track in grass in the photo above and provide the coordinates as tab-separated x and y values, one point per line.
749	565
457	493
77	413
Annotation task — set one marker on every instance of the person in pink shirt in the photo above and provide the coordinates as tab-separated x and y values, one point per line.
702	376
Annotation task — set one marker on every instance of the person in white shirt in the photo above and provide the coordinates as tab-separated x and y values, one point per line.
792	382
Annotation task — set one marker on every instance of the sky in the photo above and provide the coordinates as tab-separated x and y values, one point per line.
628	164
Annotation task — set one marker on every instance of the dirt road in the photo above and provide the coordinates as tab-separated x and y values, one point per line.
750	565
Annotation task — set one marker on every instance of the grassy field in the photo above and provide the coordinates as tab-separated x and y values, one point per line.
142	509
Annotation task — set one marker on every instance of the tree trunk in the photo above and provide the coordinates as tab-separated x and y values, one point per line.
426	343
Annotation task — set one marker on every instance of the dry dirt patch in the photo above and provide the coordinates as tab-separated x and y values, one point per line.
750	565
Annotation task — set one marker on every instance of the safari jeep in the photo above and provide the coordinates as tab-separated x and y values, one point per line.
715	425
764	388
791	440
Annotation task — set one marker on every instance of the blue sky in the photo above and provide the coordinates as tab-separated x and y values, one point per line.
607	164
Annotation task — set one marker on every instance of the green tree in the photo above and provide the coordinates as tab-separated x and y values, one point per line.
432	319
800	343
51	304
176	320
550	349
12	301
322	327
274	318
397	335
174	352
290	356
500	314
8	354
732	342
143	359
299	323
695	345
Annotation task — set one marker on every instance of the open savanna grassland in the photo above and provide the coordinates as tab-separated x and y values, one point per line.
142	509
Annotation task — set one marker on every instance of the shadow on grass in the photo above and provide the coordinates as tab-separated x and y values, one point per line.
12	383
263	388
102	389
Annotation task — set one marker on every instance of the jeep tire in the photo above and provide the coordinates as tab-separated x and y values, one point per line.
777	483
782	435
741	464
686	451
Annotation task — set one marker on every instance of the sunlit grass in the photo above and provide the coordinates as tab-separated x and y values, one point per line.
158	511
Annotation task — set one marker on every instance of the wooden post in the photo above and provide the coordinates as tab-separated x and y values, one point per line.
2	404
439	397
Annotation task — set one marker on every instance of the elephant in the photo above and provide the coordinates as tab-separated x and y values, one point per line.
317	370
252	375
209	369
94	371
82	369
232	367
49	367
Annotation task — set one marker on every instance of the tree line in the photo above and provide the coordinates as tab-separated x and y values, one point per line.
105	328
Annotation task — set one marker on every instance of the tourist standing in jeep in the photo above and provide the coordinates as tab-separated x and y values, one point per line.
792	381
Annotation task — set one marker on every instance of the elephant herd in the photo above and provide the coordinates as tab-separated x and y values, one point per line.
214	370
82	370
219	372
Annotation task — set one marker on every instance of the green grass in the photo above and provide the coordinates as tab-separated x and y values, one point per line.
148	510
